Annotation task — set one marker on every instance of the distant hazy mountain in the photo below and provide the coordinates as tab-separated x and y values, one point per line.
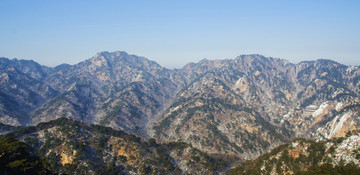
239	108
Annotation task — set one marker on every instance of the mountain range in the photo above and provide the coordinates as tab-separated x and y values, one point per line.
236	108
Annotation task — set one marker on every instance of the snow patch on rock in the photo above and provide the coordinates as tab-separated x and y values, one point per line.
339	106
295	144
337	92
350	69
345	150
321	109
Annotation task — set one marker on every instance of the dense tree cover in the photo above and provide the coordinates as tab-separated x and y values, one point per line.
7	128
328	169
76	124
16	158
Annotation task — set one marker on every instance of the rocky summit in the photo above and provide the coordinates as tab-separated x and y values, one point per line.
237	109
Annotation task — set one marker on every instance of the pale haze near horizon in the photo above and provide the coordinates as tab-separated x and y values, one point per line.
174	33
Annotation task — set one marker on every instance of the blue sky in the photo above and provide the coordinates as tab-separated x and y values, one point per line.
174	33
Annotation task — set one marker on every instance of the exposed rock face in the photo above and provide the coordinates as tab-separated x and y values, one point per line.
254	103
115	89
22	90
242	107
212	117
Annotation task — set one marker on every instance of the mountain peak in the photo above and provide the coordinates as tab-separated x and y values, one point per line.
115	53
254	57
244	106
122	57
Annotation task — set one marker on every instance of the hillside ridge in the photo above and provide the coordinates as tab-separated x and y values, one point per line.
241	107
